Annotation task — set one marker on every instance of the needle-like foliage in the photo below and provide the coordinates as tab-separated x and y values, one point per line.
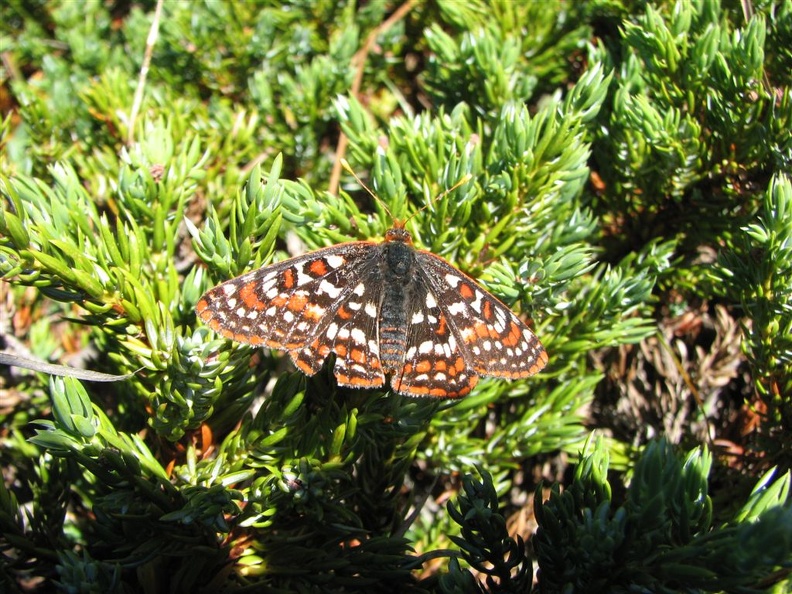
629	197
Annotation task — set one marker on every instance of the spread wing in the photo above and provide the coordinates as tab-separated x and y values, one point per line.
307	306
434	363
491	339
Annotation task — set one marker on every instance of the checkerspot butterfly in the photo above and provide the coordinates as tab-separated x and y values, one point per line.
383	309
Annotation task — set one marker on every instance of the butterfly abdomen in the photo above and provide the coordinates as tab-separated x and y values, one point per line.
398	267
393	329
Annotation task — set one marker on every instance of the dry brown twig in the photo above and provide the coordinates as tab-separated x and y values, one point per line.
144	68
359	62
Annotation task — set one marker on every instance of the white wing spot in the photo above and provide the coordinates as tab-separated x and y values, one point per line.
329	289
452	343
332	330
452	280
335	261
371	309
354	305
431	302
457	308
417	318
314	311
425	347
302	278
358	336
476	305
359	290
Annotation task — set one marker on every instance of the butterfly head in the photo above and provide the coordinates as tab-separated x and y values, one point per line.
398	233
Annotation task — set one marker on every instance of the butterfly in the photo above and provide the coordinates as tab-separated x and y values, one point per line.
384	310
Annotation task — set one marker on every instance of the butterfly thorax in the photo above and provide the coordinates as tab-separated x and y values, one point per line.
398	270
399	256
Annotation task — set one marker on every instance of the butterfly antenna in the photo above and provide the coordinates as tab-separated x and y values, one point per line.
345	164
467	177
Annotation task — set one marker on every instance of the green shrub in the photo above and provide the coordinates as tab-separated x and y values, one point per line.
630	194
